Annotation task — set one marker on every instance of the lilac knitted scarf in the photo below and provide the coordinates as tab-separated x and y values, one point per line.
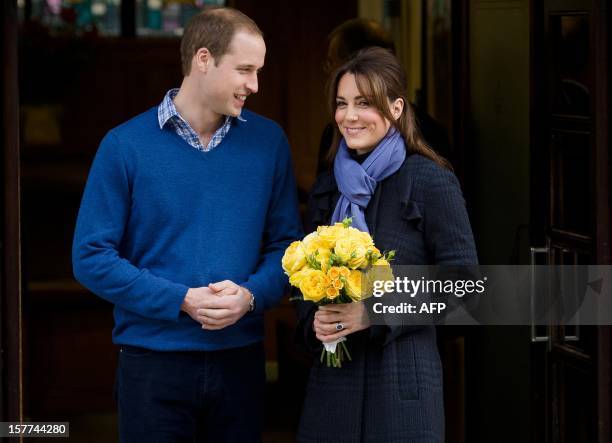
357	182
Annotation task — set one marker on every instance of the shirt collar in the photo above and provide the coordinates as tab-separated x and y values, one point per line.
166	110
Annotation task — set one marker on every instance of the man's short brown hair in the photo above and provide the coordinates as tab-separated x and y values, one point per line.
213	28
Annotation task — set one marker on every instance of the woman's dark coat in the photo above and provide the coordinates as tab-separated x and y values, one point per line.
392	389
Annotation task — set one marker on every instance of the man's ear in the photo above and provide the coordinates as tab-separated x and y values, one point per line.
397	107
202	60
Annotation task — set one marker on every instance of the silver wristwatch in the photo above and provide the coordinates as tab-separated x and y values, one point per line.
251	302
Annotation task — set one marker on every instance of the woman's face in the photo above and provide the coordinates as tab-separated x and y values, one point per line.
360	123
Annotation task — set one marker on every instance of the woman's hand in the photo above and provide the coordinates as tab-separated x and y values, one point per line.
352	316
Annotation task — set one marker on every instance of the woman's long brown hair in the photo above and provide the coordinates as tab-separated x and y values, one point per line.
380	78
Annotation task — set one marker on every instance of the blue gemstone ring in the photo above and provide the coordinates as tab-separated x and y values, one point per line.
339	326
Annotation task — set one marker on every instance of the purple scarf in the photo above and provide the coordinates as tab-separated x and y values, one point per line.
357	182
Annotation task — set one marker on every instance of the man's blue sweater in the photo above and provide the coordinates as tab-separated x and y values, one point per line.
159	217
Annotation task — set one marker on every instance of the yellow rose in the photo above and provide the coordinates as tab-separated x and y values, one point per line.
354	285
317	248
323	259
332	292
337	284
337	274
380	270
313	245
351	252
329	234
297	277
334	272
361	237
294	258
314	285
310	237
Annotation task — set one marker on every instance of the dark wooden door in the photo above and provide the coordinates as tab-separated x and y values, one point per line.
570	209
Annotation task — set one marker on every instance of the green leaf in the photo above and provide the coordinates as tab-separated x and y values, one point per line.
312	261
335	260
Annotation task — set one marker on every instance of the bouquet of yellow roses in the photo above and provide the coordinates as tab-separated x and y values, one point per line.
336	264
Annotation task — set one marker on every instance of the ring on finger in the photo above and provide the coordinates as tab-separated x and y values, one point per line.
339	326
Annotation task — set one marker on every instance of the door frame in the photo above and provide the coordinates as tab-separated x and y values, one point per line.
603	15
11	390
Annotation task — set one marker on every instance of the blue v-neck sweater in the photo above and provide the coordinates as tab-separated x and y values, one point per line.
158	217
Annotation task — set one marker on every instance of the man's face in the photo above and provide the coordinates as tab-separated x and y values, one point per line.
234	78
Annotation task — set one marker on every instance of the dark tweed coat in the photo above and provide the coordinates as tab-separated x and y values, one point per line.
392	390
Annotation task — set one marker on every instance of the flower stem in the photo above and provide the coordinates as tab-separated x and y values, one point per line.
343	346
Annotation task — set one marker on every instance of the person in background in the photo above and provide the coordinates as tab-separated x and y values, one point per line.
385	176
187	211
345	40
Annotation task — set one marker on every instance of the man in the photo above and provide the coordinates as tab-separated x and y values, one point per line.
187	211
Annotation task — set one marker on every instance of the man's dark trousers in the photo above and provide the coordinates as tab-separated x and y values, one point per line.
214	397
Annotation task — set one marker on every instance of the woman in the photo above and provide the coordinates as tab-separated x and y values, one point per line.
344	41
397	188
